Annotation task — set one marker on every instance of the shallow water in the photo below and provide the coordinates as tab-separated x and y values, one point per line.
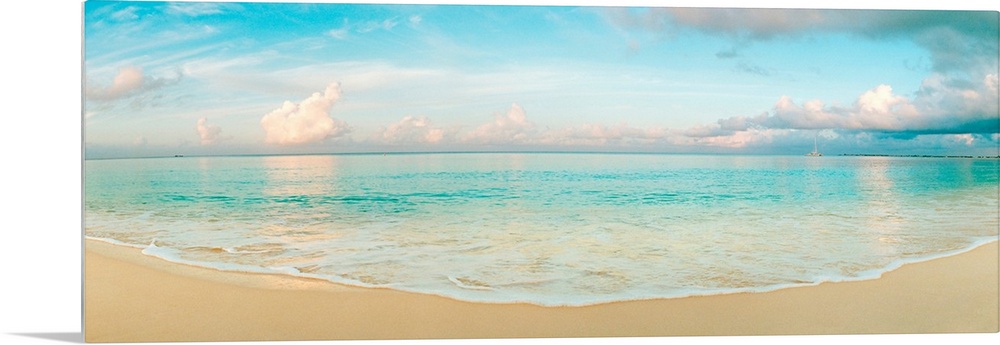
549	229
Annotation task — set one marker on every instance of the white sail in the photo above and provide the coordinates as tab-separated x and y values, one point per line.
815	151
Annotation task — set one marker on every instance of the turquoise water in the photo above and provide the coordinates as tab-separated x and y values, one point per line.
549	229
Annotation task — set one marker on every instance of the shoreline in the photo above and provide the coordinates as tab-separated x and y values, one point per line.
238	269
132	297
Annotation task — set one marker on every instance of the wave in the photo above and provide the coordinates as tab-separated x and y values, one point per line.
173	255
471	290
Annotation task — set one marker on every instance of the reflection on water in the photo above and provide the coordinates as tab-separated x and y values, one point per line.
883	216
300	175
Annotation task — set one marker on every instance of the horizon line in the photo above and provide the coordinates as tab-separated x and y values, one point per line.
450	152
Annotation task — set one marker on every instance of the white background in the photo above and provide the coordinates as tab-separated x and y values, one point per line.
40	217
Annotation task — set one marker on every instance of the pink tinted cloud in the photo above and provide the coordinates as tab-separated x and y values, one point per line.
305	122
596	134
209	134
941	106
411	130
127	81
510	127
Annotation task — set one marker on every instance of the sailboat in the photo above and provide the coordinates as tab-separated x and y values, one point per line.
815	152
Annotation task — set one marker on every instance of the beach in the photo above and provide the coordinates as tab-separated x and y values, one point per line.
402	172
131	297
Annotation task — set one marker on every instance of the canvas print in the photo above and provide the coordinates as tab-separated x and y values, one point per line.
329	171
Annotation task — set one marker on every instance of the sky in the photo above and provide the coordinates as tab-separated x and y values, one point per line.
282	78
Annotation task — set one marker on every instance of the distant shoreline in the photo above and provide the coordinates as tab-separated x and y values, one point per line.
915	156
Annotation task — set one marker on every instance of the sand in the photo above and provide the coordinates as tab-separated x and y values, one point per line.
130	297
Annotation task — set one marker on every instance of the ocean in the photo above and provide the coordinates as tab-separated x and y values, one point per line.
547	228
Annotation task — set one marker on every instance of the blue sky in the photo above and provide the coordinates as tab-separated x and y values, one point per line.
233	78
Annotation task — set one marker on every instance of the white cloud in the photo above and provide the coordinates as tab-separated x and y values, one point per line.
345	30
125	14
411	130
966	139
209	134
941	106
195	9
959	102
370	26
880	109
514	128
595	134
992	83
306	122
946	113
128	81
879	100
338	33
742	139
509	128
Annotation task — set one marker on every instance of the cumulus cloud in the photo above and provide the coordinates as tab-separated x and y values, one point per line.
208	133
965	99
966	139
992	83
744	139
512	127
411	130
940	107
958	100
128	82
306	122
